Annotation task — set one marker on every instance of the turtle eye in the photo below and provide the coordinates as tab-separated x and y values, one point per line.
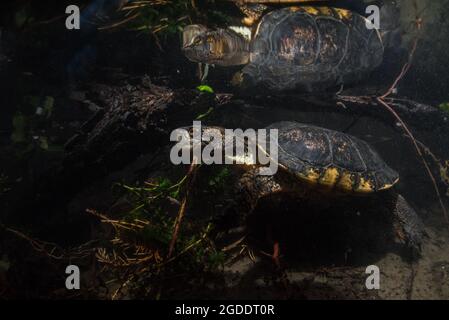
197	41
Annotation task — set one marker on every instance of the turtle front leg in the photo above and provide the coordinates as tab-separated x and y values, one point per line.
203	72
253	187
252	11
408	226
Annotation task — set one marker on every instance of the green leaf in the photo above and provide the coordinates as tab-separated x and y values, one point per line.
19	124
205	88
43	143
174	194
21	17
49	103
4	264
444	106
165	184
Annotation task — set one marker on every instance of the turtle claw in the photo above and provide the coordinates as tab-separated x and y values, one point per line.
412	243
205	73
276	255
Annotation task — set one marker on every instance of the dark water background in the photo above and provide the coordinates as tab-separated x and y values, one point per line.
46	65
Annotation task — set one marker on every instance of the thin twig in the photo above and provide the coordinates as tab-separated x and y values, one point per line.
420	154
382	101
191	174
405	69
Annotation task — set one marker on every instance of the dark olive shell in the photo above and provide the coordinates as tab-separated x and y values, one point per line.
312	47
332	159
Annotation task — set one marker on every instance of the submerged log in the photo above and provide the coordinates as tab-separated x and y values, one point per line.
419	115
422	118
132	120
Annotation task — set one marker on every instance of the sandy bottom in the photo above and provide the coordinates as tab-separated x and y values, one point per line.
252	275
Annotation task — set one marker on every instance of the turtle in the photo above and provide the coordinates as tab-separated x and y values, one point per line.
319	164
303	48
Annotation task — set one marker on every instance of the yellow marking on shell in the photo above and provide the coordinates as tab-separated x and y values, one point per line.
312	176
330	177
365	186
345	182
310	10
326	11
343	14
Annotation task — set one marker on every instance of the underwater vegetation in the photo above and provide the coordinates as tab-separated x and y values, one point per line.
444	106
138	252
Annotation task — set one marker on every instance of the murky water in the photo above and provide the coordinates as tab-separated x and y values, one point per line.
86	110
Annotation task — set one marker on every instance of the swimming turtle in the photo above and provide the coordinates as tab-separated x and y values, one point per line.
322	164
302	47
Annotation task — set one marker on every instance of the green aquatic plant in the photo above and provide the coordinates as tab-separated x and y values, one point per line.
208	90
168	19
156	190
444	107
23	16
48	106
164	17
205	114
219	181
205	88
158	16
19	123
137	254
34	113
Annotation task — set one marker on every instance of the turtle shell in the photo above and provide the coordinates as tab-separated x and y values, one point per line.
312	47
331	159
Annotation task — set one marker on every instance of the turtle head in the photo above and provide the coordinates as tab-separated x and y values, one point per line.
222	47
194	43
